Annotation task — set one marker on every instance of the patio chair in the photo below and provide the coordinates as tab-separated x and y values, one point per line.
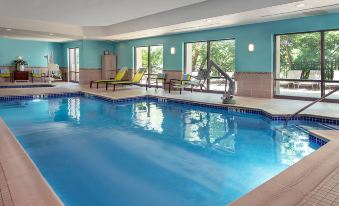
160	77
314	75
54	73
200	79
118	77
5	73
135	80
37	73
333	85
181	83
293	74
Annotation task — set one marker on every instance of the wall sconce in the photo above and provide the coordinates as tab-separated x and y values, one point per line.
251	47
172	50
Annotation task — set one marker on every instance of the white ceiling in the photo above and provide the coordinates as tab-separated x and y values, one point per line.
87	12
140	21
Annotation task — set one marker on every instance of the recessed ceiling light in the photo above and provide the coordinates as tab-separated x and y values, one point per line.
51	34
300	5
207	20
8	29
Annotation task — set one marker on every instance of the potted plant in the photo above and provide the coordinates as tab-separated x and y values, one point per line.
20	64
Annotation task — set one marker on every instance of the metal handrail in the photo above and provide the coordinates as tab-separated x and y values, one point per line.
307	106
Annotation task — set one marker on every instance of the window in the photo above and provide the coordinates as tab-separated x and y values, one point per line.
149	57
73	64
307	64
222	52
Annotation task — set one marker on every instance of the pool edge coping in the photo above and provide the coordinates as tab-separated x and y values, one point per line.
29	170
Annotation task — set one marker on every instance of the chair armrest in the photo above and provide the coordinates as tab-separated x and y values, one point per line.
175	80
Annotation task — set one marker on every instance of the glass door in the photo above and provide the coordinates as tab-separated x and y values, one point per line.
156	57
331	62
73	64
222	52
149	57
196	58
141	60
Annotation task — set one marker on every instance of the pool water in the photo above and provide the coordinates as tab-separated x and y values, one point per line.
147	152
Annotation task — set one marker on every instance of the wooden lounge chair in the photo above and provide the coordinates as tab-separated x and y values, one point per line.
182	83
135	80
118	77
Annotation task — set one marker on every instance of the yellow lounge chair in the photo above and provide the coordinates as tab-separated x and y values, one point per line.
5	73
37	73
136	79
118	77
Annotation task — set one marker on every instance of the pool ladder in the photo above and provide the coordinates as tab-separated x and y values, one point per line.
288	118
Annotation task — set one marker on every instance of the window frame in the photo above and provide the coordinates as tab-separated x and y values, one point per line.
208	55
322	80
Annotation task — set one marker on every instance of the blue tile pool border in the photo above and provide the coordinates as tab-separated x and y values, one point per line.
231	108
26	86
318	140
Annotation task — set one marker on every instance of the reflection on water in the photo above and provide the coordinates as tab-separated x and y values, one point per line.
74	108
294	145
149	116
206	129
57	111
210	130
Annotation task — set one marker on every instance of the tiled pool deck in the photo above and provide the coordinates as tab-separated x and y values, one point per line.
312	181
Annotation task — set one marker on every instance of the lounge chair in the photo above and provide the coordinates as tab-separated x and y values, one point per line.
293	74
182	83
118	77
53	73
160	77
5	73
314	75
135	80
37	73
200	79
332	85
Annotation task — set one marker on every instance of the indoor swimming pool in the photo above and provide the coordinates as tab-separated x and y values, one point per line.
147	151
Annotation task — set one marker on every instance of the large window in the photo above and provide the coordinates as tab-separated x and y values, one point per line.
222	52
307	64
149	57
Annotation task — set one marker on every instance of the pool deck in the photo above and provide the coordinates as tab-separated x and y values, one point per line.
312	181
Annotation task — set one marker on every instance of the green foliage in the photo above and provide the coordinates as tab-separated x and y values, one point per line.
221	52
303	52
156	56
20	62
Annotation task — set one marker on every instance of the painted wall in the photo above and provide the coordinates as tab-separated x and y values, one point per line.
90	52
260	34
32	51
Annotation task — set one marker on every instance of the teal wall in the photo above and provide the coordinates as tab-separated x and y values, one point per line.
90	52
32	51
261	35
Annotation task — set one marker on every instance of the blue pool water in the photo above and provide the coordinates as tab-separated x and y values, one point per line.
147	152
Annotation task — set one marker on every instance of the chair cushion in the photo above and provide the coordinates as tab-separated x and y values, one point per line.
161	76
5	72
186	77
36	73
